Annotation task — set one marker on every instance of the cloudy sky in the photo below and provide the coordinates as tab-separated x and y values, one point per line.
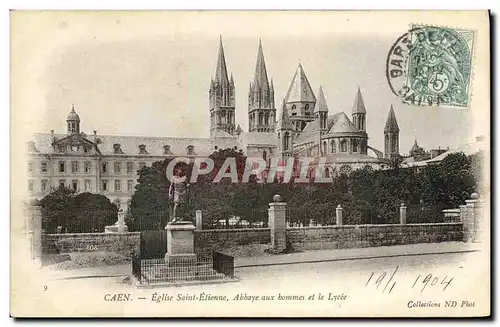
149	73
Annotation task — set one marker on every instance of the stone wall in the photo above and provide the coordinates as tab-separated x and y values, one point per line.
217	239
122	243
301	238
360	236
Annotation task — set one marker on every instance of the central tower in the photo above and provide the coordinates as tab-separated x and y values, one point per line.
300	101
261	110
222	98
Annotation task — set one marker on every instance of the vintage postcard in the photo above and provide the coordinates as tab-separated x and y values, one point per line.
250	164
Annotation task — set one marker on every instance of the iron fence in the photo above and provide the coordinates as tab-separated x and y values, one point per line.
159	270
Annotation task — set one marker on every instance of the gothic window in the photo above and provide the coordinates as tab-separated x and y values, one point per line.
324	147
287	141
74	167
327	172
117	167
129	167
264	155
142	149
87	166
387	142
44	166
334	148
355	145
394	142
261	115
343	146
266	119
62	167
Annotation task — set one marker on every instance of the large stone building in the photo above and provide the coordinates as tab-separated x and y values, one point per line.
108	164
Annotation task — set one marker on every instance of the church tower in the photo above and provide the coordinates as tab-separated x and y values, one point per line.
222	98
73	122
321	111
300	101
391	136
261	110
284	128
359	112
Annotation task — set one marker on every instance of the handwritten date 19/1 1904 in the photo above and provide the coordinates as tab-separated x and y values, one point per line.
388	281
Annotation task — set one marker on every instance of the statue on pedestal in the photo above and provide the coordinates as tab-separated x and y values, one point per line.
178	195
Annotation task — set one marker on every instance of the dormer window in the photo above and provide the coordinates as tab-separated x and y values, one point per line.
32	147
142	149
117	149
190	150
166	149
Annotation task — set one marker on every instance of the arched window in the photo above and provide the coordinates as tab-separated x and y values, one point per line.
307	106
394	143
266	119
355	145
286	141
387	141
264	155
343	146
260	118
293	107
324	147
327	172
334	148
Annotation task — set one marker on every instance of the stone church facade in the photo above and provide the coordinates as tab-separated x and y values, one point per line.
303	127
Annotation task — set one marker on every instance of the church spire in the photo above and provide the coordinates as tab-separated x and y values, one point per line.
359	104
221	76
391	125
261	111
260	76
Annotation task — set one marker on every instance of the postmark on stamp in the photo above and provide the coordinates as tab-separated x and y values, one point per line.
432	66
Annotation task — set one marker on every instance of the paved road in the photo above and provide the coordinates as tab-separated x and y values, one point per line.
364	286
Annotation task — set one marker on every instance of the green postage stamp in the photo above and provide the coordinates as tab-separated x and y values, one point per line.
432	66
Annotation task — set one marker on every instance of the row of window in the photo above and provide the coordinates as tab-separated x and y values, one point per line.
75	184
87	167
355	146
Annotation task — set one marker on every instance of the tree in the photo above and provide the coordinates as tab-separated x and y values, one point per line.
76	213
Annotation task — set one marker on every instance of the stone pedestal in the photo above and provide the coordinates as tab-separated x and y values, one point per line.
338	215
402	214
34	226
474	217
180	244
119	226
277	224
199	220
